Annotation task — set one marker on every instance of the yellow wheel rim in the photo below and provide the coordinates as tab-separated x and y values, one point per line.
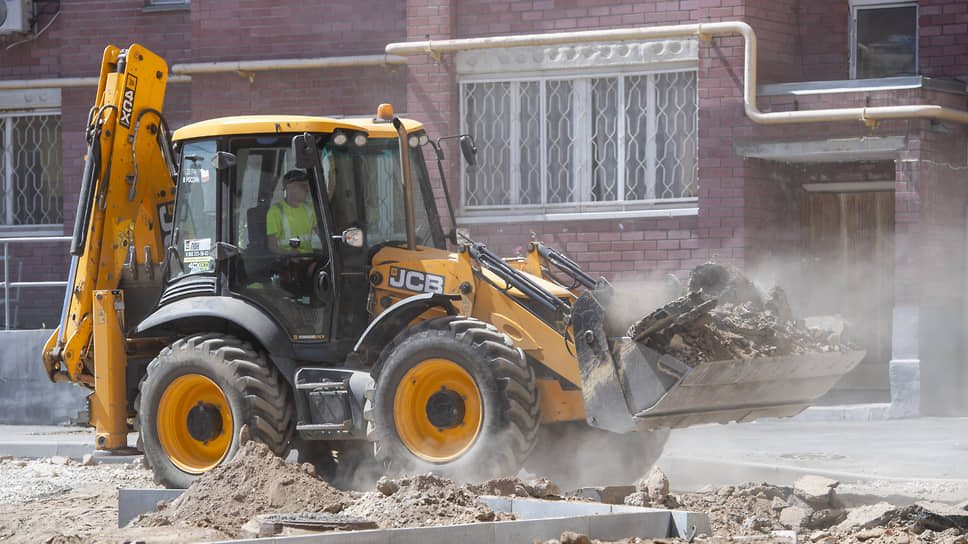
194	423
437	410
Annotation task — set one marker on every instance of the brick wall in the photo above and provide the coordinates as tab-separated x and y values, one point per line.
254	29
943	38
483	18
778	38
618	249
822	37
431	91
941	169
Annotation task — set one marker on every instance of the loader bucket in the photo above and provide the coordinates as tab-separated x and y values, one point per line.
627	386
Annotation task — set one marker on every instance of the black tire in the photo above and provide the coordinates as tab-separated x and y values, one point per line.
572	454
190	370
507	406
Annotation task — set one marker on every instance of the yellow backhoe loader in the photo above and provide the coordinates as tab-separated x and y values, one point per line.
364	336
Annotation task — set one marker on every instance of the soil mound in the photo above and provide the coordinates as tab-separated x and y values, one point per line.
254	482
422	501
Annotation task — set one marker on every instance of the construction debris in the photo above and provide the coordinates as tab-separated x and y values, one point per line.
724	316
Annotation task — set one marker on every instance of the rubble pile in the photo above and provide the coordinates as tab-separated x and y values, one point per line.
258	483
724	316
423	500
254	482
812	508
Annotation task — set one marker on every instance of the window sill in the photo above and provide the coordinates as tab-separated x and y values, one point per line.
859	85
477	218
166	7
29	231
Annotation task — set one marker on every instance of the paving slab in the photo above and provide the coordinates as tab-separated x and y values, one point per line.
913	458
539	520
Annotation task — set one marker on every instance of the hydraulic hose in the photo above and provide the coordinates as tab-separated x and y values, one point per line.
86	198
566	265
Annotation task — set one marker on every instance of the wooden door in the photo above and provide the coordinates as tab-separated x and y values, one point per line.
848	256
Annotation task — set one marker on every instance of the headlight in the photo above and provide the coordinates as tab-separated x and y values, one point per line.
359	140
413	140
340	138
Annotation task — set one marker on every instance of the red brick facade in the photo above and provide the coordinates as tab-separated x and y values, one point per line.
749	209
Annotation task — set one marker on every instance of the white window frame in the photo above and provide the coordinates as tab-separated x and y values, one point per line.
579	63
581	154
857	5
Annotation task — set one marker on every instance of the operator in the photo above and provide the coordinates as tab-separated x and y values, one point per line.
293	218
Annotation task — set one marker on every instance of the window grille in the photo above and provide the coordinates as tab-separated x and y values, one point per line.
560	142
30	170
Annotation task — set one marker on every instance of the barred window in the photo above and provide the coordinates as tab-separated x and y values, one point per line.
30	171
626	140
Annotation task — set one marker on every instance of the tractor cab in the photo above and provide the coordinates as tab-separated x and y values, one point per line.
255	220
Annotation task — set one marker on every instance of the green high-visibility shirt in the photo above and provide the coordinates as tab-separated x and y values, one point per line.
285	222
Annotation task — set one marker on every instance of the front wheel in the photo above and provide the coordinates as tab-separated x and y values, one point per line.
194	399
452	395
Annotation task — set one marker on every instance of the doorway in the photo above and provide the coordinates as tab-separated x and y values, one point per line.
848	256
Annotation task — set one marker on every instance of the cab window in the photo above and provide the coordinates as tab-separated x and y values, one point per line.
194	236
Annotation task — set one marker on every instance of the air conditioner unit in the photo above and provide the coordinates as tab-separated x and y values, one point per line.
15	16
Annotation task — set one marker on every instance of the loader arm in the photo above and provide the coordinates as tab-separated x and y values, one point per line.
126	194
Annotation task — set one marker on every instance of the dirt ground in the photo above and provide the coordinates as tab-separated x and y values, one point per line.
59	501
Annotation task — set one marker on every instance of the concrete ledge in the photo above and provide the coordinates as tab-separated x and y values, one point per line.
27	396
542	520
845	412
134	502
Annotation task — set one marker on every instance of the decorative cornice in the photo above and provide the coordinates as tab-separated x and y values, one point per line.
644	54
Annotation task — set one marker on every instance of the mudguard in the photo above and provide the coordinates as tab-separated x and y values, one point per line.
386	325
239	312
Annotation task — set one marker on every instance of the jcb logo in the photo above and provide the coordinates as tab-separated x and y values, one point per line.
415	280
127	101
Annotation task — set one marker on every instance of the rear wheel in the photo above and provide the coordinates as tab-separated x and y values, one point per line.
194	399
452	395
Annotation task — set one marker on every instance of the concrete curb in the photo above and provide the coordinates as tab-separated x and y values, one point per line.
540	520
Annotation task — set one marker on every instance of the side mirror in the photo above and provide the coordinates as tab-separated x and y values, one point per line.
222	160
304	150
468	150
352	237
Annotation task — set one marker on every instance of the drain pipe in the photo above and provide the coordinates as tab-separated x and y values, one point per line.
245	66
869	116
181	73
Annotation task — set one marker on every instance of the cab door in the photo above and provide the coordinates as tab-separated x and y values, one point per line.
296	287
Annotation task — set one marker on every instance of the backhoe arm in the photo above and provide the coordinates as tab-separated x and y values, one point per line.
126	193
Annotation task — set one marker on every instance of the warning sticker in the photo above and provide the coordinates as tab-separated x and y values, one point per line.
198	255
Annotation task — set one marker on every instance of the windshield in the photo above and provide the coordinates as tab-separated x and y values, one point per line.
367	191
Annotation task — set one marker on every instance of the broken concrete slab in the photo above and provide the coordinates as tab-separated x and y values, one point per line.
793	517
865	516
817	491
655	485
613	494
